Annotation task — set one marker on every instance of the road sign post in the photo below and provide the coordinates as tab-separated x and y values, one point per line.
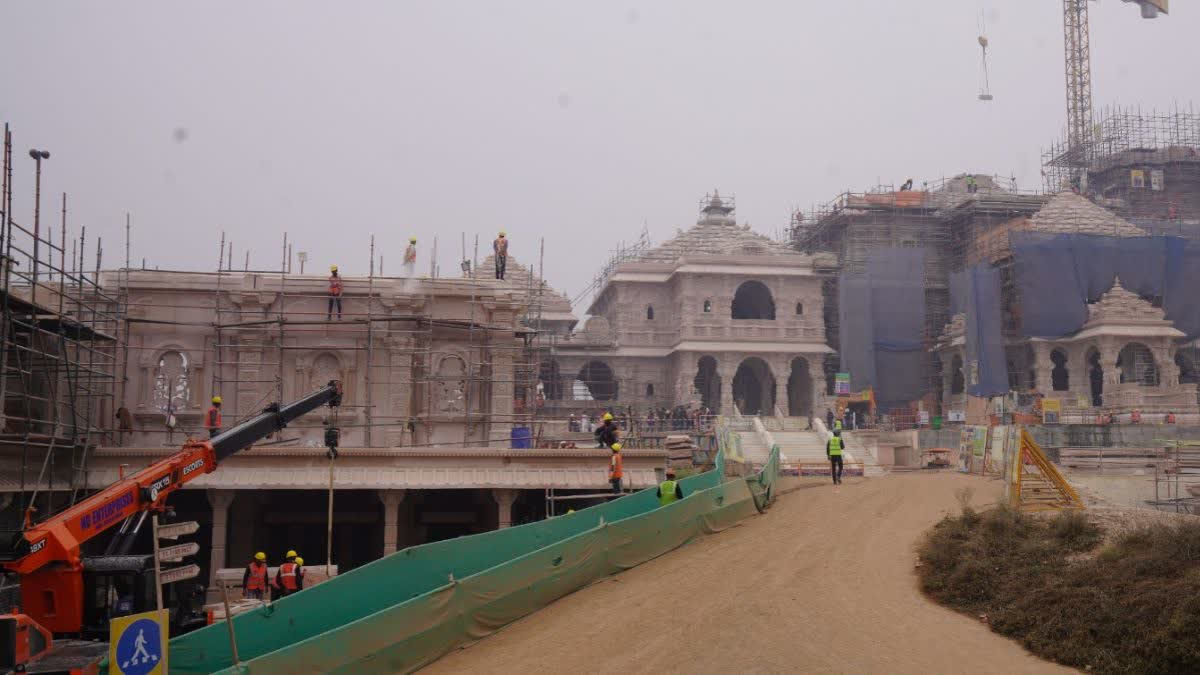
157	566
137	643
178	551
176	530
180	573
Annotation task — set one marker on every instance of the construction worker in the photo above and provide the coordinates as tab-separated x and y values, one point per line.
500	249
254	580
289	577
972	186
606	433
616	470
669	490
410	258
833	450
335	294
212	419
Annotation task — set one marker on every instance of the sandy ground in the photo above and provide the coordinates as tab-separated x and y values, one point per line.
823	582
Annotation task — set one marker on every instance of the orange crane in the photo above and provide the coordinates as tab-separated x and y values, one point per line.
58	583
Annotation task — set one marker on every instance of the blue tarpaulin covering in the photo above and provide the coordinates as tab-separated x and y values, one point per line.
987	371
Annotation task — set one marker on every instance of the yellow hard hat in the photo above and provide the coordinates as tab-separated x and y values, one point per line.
299	560
412	240
501	233
290	554
333	268
607	416
616	447
260	556
217	400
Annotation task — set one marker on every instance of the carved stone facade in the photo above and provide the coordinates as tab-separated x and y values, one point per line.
716	316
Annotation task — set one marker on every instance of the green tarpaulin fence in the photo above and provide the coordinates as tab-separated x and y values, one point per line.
409	608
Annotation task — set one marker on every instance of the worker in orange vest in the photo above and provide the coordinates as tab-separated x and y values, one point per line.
500	249
615	469
335	294
212	419
290	577
254	580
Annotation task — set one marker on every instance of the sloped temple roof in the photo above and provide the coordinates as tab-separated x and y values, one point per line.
715	233
1067	212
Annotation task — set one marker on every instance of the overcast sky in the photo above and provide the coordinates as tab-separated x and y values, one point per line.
575	121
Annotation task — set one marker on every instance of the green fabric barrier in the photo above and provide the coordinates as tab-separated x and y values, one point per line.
409	635
396	578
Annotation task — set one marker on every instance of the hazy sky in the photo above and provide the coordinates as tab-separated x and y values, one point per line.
576	121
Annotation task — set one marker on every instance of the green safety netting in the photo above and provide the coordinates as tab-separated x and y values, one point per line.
407	609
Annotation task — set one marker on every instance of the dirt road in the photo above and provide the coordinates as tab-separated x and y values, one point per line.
822	583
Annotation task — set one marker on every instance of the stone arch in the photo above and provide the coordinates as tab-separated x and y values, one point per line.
754	387
1095	377
326	366
707	306
708	382
753	300
649	390
649	312
598	381
958	382
1136	363
800	389
450	380
799	309
1060	374
172	381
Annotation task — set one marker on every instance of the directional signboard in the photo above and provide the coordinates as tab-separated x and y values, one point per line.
176	530
176	552
180	573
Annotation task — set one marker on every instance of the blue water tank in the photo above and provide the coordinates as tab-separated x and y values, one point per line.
522	438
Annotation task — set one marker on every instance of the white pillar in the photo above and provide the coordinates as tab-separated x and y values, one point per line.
504	501
391	504
220	500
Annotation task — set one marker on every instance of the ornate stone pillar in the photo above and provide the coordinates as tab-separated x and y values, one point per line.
782	375
220	500
503	377
726	372
1042	367
399	394
248	387
504	501
1112	376
1164	361
391	503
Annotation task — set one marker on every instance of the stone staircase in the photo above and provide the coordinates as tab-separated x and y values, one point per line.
755	448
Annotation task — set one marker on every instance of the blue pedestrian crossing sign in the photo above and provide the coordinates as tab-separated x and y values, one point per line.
137	643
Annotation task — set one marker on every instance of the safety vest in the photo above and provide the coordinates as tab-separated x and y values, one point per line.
258	577
835	447
500	246
666	492
213	420
615	469
837	425
287	574
410	254
335	285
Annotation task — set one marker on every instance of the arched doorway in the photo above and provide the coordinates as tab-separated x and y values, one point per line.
1136	363
1187	368
1060	377
1095	377
708	383
800	388
551	378
597	378
754	387
753	301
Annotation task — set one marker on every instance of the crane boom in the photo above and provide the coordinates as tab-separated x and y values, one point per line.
1079	81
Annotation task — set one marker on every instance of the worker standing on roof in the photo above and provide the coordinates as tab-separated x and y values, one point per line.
669	490
335	294
606	433
833	450
410	258
616	471
500	249
254	579
212	419
289	577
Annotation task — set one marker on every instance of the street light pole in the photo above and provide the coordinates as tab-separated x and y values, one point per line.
38	156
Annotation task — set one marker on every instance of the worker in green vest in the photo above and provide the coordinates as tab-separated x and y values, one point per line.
669	490
833	450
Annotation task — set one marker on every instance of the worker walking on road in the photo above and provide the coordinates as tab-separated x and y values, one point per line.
833	450
212	419
254	580
290	578
606	433
335	294
616	471
410	258
669	490
500	249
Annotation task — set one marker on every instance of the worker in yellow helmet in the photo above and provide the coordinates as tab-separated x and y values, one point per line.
500	249
289	578
335	294
410	258
616	470
254	580
606	433
212	419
